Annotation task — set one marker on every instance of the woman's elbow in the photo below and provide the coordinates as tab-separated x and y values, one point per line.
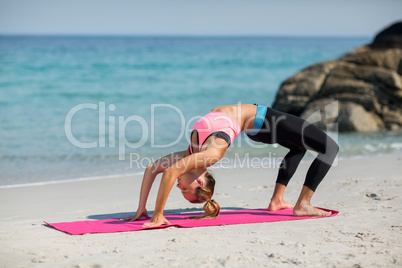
169	171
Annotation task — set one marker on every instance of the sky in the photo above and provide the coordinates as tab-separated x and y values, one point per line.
202	17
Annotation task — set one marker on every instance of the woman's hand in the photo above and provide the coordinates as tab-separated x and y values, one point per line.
157	220
142	212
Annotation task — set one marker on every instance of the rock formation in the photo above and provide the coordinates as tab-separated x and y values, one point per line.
361	91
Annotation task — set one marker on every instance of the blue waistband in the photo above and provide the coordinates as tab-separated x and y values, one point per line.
258	121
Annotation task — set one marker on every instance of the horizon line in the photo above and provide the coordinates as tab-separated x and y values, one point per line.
178	35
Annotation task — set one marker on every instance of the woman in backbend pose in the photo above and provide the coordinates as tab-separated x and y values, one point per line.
212	135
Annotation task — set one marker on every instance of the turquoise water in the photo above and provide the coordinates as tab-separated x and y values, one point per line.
123	78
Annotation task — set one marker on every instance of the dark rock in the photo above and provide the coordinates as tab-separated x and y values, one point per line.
353	117
386	58
361	91
298	89
390	37
323	118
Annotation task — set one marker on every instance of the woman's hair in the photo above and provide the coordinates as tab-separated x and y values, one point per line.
211	207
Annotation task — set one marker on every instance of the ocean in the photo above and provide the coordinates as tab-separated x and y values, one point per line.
76	107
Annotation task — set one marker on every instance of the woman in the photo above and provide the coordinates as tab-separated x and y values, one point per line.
212	135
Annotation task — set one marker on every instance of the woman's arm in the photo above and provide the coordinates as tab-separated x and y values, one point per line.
154	169
151	171
190	162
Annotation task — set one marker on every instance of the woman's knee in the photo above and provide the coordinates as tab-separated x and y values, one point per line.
331	151
332	147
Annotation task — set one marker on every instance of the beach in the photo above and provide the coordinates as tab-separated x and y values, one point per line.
88	104
366	233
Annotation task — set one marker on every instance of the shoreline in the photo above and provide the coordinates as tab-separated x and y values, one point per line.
366	233
95	178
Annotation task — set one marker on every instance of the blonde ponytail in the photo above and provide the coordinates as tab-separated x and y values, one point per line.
211	207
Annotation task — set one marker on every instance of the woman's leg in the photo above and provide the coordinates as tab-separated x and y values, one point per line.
298	135
277	201
293	130
287	169
316	140
303	206
289	164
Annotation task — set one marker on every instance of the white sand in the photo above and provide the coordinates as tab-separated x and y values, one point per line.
366	233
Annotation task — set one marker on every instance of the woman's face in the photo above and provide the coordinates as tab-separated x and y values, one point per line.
189	182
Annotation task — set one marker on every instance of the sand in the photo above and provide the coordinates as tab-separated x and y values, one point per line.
366	233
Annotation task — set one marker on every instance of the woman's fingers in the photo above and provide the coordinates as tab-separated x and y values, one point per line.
153	224
156	223
136	217
147	224
150	224
132	218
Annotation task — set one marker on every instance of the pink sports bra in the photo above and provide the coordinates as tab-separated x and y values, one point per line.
215	124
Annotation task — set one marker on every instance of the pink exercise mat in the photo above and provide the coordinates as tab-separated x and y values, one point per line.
225	218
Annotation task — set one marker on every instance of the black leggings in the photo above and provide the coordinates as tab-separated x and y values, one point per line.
298	135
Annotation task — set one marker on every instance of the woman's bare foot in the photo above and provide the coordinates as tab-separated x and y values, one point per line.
278	204
309	210
303	206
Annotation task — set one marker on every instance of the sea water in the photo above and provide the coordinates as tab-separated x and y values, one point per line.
78	107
